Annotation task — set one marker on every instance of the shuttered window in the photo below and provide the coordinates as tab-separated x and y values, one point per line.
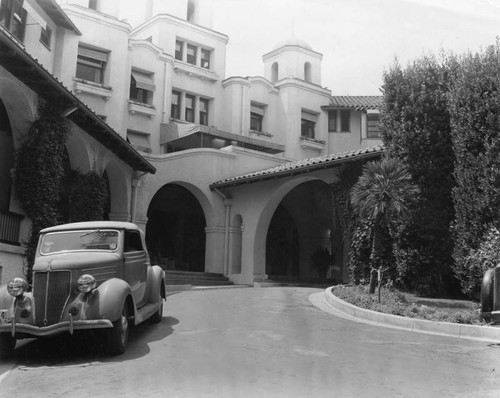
91	64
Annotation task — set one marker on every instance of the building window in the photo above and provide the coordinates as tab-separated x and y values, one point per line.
372	130
345	121
308	122
91	64
191	54
178	50
204	111
46	36
13	17
189	114
142	87
256	118
139	140
175	107
93	4
205	58
332	121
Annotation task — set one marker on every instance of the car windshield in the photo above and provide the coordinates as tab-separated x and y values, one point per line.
96	239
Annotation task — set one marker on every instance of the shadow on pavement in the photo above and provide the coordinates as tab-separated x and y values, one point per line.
86	347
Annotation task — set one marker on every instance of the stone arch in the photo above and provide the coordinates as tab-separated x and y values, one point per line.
178	215
266	216
274	72
78	152
20	108
119	191
6	158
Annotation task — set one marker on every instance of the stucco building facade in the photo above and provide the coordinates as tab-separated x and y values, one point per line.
229	175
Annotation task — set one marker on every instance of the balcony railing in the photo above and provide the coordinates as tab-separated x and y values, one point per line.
9	227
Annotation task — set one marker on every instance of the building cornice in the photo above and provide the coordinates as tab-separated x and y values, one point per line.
292	82
181	23
292	47
95	16
160	54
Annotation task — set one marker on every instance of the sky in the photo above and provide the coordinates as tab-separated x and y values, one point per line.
359	39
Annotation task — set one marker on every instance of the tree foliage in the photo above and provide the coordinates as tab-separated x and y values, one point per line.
383	194
415	125
474	103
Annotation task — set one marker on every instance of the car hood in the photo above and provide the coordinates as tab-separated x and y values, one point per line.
75	260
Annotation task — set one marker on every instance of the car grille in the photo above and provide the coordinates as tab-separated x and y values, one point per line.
49	306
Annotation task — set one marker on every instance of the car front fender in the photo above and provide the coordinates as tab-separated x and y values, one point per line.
6	300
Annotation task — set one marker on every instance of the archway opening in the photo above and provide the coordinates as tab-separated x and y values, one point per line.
307	72
6	158
300	239
175	232
274	72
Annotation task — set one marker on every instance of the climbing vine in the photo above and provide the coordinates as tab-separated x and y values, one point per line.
40	173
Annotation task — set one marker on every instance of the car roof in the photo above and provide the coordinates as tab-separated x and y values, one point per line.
91	225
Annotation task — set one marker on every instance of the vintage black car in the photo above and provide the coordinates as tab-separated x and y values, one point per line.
490	295
86	276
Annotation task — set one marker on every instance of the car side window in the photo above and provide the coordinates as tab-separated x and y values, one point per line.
133	241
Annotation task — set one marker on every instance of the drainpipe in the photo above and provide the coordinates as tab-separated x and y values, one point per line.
135	183
227	204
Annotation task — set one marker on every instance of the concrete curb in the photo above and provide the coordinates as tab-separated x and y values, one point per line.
488	333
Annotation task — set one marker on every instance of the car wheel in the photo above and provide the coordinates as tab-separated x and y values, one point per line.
117	336
158	315
7	345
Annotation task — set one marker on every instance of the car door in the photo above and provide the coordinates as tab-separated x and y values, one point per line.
136	264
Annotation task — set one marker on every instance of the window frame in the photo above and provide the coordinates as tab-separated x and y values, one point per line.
179	53
144	93
86	63
175	108
345	121
15	16
308	122
203	111
46	36
372	126
189	112
191	59
205	60
332	121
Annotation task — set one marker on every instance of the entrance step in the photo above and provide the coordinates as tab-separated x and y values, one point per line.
278	280
185	280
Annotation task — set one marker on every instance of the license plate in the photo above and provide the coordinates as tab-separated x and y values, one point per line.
3	316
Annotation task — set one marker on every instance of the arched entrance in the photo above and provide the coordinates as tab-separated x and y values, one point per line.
6	158
175	231
300	228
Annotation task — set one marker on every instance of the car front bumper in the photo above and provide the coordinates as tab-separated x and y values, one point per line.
16	328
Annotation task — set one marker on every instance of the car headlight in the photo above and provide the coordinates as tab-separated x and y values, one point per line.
86	283
17	286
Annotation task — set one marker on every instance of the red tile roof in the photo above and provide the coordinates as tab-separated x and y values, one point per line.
358	103
301	166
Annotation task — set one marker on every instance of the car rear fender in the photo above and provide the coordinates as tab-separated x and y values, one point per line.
156	283
113	295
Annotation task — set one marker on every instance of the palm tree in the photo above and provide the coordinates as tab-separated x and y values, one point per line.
383	193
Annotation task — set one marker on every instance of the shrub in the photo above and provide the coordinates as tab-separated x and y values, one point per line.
479	260
474	103
415	126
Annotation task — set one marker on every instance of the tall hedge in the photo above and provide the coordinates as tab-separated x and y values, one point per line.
40	172
415	125
474	104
